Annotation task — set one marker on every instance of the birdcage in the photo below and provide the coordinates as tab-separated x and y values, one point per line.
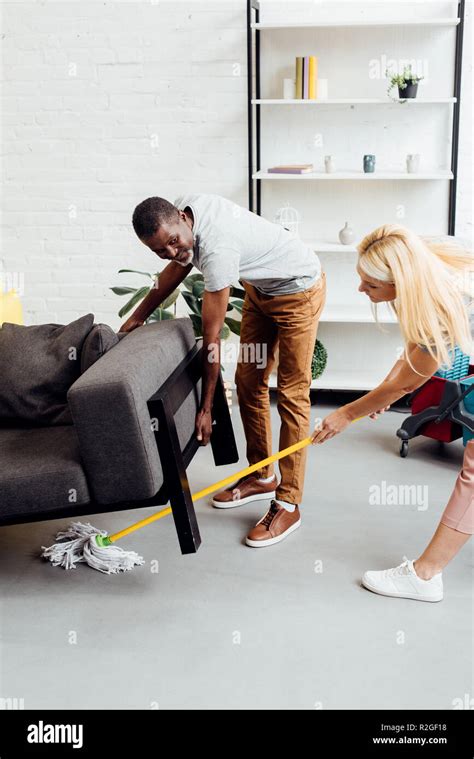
288	218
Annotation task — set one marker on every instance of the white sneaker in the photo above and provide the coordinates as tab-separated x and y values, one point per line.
403	582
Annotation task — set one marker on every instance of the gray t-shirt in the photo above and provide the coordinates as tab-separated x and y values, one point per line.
232	243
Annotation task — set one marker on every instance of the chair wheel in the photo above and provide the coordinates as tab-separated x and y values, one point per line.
404	449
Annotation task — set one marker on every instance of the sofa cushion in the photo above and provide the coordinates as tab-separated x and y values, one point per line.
100	339
40	470
39	364
111	416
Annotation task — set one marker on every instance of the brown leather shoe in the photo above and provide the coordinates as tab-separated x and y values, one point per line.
245	490
276	525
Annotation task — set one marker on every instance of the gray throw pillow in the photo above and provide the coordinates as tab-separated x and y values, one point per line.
100	339
38	365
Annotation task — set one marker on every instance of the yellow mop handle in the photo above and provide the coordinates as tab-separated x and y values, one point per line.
217	486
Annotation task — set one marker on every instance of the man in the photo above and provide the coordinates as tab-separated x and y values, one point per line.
285	294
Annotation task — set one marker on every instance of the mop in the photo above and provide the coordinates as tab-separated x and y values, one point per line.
85	543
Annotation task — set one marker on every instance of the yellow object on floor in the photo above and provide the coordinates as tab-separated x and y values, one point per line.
10	307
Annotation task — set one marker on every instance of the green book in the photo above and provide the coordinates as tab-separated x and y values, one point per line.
299	78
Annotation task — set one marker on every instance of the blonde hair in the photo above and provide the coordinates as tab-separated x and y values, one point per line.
430	279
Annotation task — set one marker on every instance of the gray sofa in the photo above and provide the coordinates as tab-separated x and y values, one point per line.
131	440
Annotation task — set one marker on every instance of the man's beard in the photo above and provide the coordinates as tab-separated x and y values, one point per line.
187	260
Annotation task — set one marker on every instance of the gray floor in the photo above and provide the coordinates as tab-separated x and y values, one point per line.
235	627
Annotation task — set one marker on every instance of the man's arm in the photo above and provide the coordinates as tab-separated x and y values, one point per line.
214	307
169	279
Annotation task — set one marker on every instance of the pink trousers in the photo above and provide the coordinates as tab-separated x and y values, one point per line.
459	513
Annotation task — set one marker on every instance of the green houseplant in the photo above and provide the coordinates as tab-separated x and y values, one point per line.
192	294
407	83
138	293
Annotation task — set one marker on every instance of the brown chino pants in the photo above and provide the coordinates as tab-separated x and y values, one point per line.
291	323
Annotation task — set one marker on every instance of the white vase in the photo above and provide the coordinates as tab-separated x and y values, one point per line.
413	163
346	234
289	86
329	165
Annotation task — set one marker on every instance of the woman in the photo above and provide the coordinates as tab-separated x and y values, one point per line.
429	287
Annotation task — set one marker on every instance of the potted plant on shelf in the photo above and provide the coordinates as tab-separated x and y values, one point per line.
193	295
407	83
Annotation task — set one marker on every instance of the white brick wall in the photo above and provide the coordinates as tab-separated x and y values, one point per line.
106	103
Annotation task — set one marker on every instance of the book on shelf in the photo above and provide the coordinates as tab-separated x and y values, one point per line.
299	78
292	168
313	77
306	75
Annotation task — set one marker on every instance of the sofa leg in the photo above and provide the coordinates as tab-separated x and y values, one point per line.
224	447
175	479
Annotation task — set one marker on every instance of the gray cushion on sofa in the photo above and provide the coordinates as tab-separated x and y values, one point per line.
40	470
100	339
38	365
109	408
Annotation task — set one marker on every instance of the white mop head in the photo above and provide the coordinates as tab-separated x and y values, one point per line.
79	544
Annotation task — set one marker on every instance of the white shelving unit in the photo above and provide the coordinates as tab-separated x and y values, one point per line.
360	350
353	313
354	101
358	23
358	176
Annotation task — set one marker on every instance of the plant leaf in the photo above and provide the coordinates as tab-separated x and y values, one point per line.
198	289
192	302
170	299
189	281
139	295
238	305
123	290
197	324
225	332
237	292
233	324
160	315
134	271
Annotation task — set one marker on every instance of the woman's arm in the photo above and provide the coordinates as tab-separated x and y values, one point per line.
402	379
392	373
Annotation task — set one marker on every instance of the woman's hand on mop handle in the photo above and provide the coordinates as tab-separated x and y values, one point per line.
331	425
